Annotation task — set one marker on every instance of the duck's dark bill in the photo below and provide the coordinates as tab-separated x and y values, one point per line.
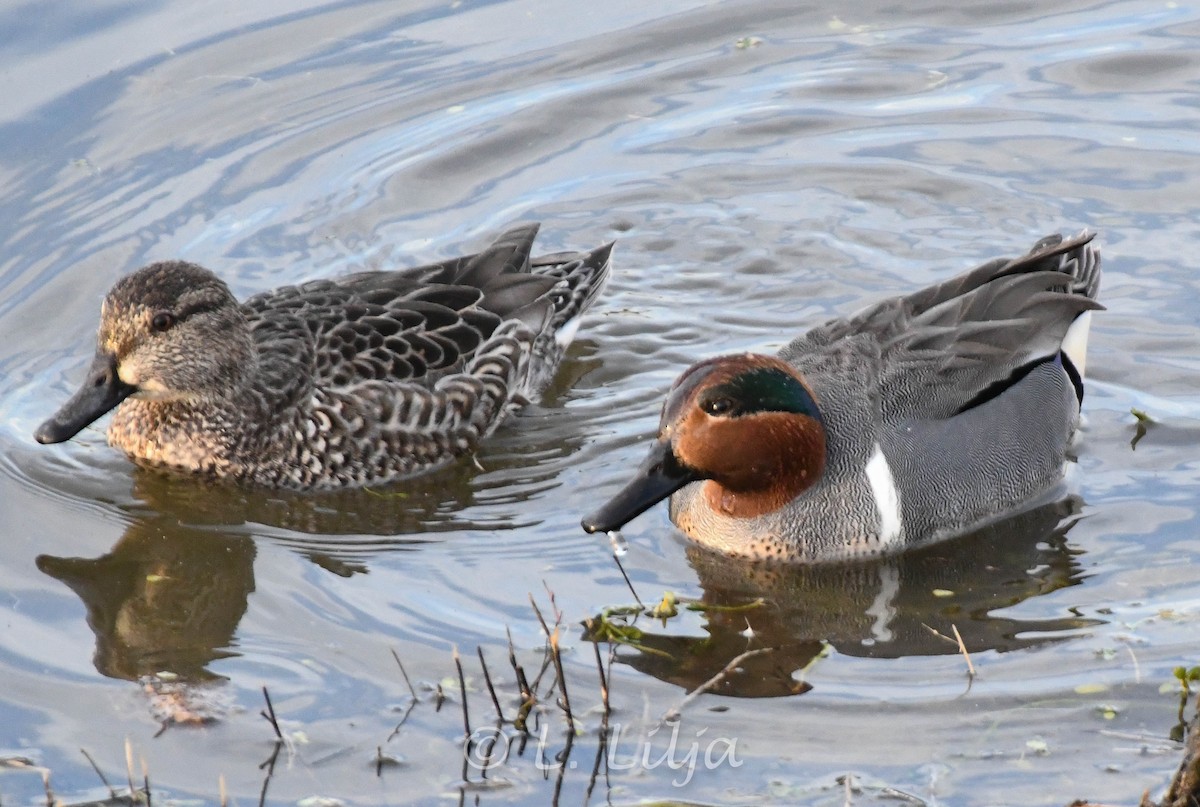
660	475
102	390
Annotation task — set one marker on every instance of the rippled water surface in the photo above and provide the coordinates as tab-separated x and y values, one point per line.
762	166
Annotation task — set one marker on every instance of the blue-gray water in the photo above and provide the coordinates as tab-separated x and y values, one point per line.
762	166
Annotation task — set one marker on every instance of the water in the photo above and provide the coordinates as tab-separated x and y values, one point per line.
762	167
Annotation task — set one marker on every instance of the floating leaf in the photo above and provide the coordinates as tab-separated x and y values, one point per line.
725	609
1144	422
665	608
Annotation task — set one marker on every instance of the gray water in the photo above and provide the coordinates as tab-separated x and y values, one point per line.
762	167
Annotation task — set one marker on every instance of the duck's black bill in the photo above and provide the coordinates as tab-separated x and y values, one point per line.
102	390
660	475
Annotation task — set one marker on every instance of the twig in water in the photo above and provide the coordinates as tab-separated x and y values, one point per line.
462	685
487	678
548	654
558	615
269	715
527	699
46	784
603	679
538	612
112	793
224	794
674	712
146	781
404	719
565	701
957	640
629	583
404	672
546	664
962	648
270	766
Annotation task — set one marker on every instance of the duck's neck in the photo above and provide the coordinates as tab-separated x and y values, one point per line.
783	456
199	434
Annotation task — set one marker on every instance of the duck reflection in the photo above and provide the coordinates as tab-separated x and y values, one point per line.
164	604
902	606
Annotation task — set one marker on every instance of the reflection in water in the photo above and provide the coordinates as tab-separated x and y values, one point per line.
164	603
883	609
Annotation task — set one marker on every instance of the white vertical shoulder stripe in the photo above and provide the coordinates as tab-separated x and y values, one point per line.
887	498
1075	342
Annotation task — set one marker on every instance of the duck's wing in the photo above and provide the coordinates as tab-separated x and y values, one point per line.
414	325
950	346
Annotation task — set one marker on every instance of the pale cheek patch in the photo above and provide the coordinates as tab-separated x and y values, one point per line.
128	373
150	389
887	498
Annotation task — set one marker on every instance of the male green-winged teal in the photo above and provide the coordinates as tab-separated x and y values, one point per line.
352	381
913	420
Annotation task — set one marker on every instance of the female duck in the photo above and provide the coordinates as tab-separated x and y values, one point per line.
354	381
916	419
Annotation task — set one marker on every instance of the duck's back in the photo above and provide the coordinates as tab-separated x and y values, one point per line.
379	375
956	403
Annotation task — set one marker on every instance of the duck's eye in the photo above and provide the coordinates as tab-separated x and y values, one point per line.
719	406
162	321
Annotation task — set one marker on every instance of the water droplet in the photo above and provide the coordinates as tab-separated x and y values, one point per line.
619	545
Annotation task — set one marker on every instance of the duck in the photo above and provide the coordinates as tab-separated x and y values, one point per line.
347	382
919	418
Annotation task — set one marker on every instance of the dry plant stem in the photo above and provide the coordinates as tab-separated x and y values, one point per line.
674	712
403	719
487	678
603	678
962	648
546	658
629	583
46	784
957	640
221	789
404	672
565	702
558	615
269	715
112	793
547	663
146	781
462	686
527	699
541	619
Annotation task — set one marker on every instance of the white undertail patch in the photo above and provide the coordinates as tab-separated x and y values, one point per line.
566	334
1074	343
887	498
